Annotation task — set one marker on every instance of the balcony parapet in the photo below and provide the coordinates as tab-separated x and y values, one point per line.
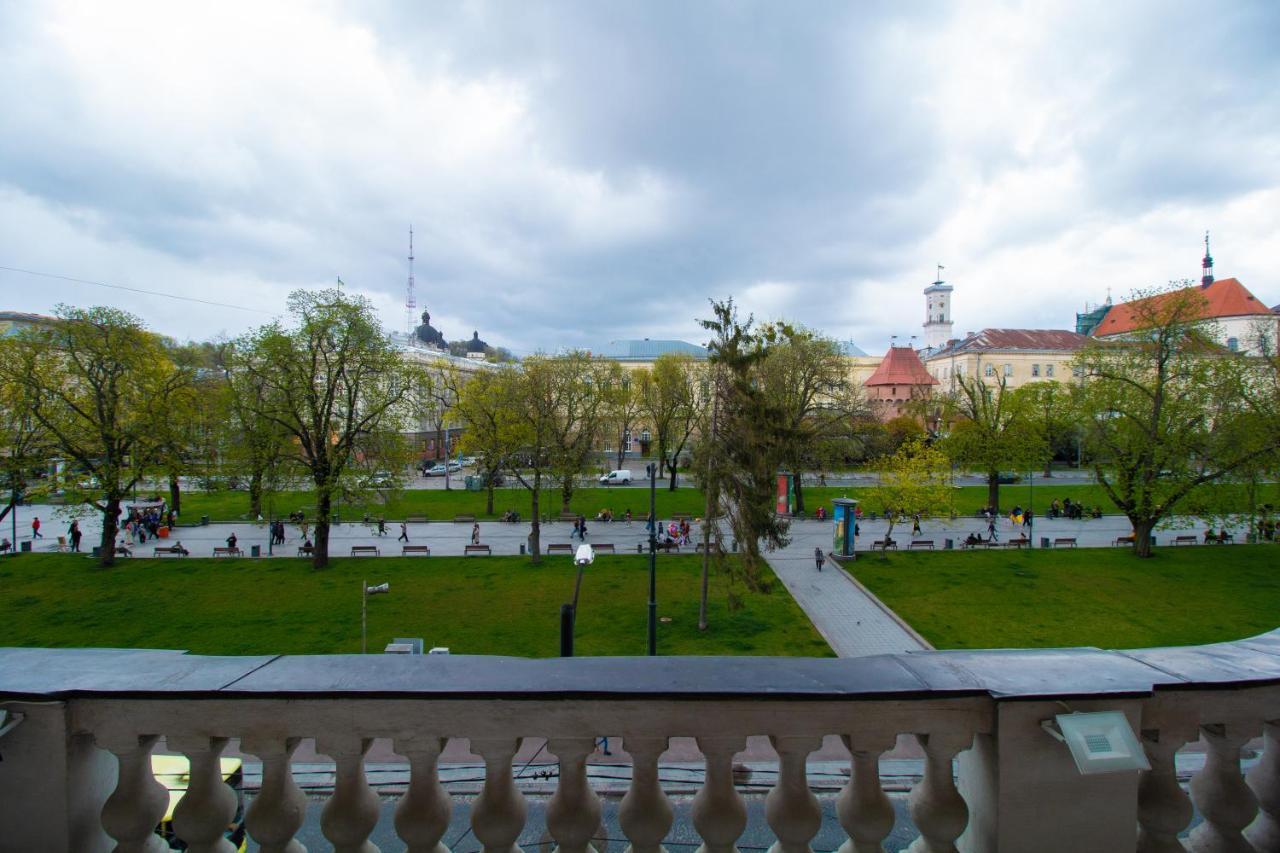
80	760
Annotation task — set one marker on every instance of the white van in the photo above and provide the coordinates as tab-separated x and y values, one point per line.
616	478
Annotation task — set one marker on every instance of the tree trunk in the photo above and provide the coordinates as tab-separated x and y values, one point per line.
489	497
255	494
671	468
795	478
535	530
175	494
566	492
110	527
324	505
622	451
1142	529
993	491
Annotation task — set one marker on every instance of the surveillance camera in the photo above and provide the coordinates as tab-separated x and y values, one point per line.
585	556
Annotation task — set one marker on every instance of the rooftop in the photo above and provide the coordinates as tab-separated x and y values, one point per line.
1036	340
1225	297
901	366
647	349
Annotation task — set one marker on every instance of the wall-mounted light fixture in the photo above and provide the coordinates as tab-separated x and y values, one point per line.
1100	741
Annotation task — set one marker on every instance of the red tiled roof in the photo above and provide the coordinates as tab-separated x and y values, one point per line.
1014	339
1225	297
901	366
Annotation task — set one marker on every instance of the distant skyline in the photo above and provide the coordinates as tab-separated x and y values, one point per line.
577	173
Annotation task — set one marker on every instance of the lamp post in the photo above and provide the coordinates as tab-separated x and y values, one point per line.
653	560
1031	505
365	592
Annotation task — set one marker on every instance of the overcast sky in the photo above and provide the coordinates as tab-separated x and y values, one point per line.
580	172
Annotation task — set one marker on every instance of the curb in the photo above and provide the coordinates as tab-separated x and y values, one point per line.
902	623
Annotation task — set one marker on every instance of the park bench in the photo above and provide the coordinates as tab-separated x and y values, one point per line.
604	546
681	516
169	551
560	548
715	549
415	519
364	551
883	545
476	549
1222	539
1068	541
991	543
415	550
1191	539
1123	540
920	544
464	519
1024	542
568	516
304	551
227	552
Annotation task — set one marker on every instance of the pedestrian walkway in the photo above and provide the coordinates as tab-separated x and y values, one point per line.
851	622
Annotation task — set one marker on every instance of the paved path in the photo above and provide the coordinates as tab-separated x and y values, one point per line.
850	621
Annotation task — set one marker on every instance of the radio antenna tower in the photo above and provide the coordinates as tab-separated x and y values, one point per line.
410	301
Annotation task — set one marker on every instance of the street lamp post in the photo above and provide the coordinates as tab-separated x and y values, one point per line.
365	592
653	560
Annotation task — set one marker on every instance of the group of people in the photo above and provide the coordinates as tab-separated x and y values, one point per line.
1075	510
606	514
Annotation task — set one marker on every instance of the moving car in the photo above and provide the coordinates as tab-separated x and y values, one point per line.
174	773
621	477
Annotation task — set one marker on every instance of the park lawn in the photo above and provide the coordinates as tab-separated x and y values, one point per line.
438	504
480	605
1080	597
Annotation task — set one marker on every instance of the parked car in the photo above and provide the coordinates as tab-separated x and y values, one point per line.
454	467
381	480
437	470
621	477
469	461
1008	477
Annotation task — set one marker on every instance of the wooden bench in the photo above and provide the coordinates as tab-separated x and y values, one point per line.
169	551
306	552
667	546
227	552
1222	539
418	550
568	516
364	551
882	545
476	549
464	519
681	516
1068	541
1191	539
920	544
560	548
415	519
1123	540
603	547
715	549
991	543
1024	542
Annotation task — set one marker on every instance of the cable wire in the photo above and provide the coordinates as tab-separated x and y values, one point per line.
134	290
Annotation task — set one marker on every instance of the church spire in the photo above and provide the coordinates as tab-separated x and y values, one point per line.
1206	266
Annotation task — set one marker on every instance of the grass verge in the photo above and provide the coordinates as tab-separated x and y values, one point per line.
1087	597
493	605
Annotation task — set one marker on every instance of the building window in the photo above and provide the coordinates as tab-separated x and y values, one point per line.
1048	370
1008	370
1233	344
1035	370
959	370
1077	372
990	371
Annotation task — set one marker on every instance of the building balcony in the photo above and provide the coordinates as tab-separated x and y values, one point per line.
82	724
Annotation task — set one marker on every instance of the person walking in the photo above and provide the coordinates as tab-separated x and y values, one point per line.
35	528
382	527
818	557
915	525
74	534
404	533
991	530
576	528
582	528
475	533
1026	518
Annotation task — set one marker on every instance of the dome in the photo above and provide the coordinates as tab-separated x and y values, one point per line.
428	335
475	344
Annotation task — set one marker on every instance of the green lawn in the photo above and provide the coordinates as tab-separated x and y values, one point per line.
493	605
439	504
1086	597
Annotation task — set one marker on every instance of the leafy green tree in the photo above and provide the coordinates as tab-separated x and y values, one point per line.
25	444
623	407
1168	411
334	384
669	400
484	407
582	387
989	432
100	385
1050	411
913	481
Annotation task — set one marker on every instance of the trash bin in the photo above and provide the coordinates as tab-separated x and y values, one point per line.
521	549
1044	541
948	544
162	532
96	552
255	550
24	546
204	520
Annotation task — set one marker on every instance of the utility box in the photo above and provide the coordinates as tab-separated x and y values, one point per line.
405	646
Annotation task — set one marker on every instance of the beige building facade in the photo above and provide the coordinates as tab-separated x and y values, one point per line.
1018	356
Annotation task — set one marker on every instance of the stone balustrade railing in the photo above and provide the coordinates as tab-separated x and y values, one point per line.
75	775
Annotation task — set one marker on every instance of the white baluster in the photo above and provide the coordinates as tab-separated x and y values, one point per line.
936	806
1264	779
573	812
422	815
863	807
718	812
1164	809
352	810
276	814
498	814
790	807
209	805
1220	792
645	813
137	805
